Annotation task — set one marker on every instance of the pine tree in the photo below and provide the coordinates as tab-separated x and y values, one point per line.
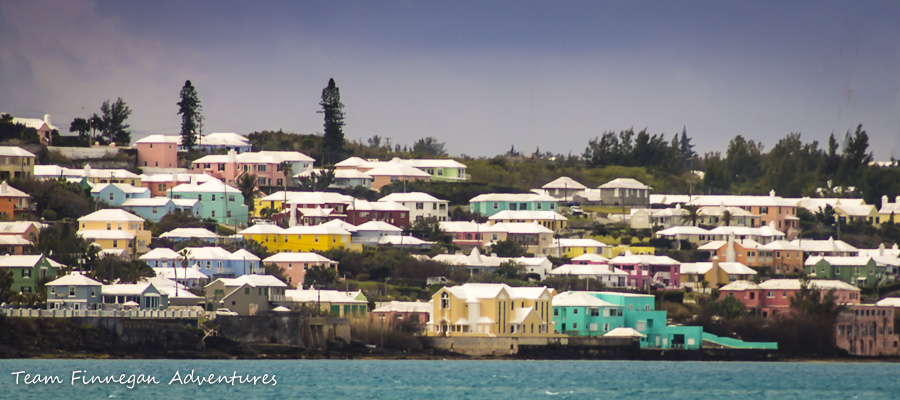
189	107
112	122
332	107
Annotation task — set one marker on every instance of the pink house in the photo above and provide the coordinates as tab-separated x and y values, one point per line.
295	265
265	165
590	259
867	330
158	151
159	184
397	312
465	233
647	271
774	295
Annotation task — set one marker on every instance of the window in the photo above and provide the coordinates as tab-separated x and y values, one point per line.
770	295
575	325
496	205
575	311
230	197
200	197
108	226
213	214
213	197
445	300
115	243
555	312
71	291
110	196
595	312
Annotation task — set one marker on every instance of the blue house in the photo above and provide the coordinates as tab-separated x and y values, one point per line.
219	201
214	262
574	314
152	208
492	203
115	194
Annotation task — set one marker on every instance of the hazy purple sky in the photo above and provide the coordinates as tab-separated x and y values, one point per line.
477	75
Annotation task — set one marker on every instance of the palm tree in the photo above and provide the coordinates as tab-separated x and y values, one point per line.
247	185
184	256
726	218
693	214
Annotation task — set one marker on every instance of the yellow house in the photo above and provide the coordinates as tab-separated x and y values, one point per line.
116	230
864	213
715	274
299	239
491	310
549	219
16	162
574	247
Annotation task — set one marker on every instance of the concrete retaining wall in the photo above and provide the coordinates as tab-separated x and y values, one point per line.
287	329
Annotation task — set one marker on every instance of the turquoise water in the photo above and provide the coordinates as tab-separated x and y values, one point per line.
358	379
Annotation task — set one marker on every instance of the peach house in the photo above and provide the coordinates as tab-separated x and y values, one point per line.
397	312
265	165
867	330
295	265
158	151
14	203
774	295
780	257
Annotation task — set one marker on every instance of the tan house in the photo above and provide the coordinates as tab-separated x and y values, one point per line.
15	163
491	310
245	295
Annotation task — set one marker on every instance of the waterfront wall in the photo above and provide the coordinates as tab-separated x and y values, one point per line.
565	347
286	329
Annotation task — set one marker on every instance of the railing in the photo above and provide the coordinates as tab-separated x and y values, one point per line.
63	313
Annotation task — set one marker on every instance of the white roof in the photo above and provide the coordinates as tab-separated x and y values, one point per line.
579	299
110	215
847	261
473	259
816	204
794	284
262	229
741	201
682	230
517	228
590	257
377	206
391	169
462	226
730	268
587	270
179	273
889	302
224	139
475	291
325	296
779	245
309	197
417	197
161	253
208	253
251	280
126	289
13	151
528	215
176	139
400	240
320	229
201	233
648	259
578	242
211	186
338	174
9	191
829	245
739	285
124	187
297	257
512	197
624	183
74	279
378	226
341	224
405	307
18	227
14	240
861	210
624	332
564	182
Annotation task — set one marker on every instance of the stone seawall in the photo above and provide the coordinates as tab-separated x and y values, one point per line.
562	347
286	329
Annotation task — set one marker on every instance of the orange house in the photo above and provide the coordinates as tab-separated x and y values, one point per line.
14	203
780	257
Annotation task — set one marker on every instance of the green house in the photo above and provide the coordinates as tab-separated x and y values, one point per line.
29	270
858	271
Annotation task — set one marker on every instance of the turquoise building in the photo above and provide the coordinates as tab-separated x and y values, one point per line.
492	203
219	201
578	314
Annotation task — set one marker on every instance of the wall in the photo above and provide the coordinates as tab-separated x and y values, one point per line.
286	329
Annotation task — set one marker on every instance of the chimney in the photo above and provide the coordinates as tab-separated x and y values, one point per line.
884	200
87	171
232	156
47	119
293	216
729	251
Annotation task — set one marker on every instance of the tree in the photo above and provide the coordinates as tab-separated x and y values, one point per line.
6	282
320	277
726	218
429	146
116	269
189	107
693	214
288	170
510	270
247	185
316	180
508	248
83	128
63	243
333	140
113	117
429	228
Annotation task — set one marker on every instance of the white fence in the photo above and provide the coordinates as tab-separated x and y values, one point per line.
147	314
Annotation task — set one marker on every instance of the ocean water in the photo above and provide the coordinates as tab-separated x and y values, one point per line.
456	379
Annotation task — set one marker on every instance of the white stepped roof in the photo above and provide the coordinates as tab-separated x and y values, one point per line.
111	215
564	182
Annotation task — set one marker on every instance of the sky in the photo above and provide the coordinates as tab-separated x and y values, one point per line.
478	76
